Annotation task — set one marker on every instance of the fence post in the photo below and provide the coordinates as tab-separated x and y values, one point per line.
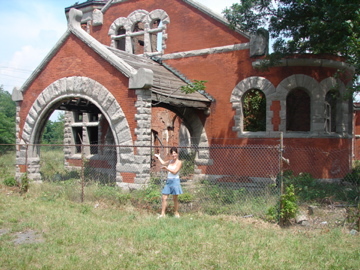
281	221
82	172
26	158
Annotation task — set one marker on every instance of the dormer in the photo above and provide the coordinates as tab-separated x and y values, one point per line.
141	32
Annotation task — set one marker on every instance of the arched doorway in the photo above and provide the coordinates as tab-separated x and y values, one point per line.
74	94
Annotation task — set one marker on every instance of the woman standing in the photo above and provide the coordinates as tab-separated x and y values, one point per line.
172	186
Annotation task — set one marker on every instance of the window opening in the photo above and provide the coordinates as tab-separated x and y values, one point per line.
94	139
78	138
78	117
156	35
298	111
93	117
138	38
254	111
331	99
120	41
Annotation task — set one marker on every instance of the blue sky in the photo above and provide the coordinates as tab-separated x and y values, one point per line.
30	29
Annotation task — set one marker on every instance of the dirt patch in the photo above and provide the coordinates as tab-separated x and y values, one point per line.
26	237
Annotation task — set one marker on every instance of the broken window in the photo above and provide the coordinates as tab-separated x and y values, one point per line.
254	110
141	32
93	139
156	36
93	117
120	41
78	117
78	138
138	38
298	110
331	100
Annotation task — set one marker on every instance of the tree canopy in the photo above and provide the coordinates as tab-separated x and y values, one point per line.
54	131
7	119
304	26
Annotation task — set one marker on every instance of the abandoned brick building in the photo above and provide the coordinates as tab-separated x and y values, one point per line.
117	73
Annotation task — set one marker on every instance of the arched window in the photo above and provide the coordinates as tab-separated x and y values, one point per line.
141	32
254	110
297	110
120	41
330	107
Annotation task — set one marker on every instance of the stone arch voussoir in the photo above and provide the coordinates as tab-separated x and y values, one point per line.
73	87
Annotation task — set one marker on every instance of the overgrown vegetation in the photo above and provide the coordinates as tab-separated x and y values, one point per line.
108	232
54	131
254	111
204	196
7	121
193	87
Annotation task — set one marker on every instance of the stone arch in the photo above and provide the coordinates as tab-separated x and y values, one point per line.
312	88
199	137
72	87
259	83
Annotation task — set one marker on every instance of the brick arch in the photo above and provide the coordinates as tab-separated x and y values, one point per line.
64	88
240	89
310	86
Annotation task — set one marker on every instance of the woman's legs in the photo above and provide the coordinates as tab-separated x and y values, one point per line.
176	205
163	204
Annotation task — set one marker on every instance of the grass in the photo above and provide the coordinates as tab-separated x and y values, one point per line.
104	233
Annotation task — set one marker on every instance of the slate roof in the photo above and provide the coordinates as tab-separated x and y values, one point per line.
166	84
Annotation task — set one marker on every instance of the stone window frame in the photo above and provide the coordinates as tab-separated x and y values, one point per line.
147	18
317	112
312	88
317	92
258	83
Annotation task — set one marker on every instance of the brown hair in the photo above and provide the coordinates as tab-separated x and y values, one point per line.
173	149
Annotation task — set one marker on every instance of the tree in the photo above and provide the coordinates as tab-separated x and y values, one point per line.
54	131
7	119
304	26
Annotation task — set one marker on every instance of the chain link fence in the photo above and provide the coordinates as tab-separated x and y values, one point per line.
237	180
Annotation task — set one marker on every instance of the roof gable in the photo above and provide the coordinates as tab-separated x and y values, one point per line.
142	72
202	8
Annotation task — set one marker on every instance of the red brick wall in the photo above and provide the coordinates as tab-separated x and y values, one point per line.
188	28
322	158
76	59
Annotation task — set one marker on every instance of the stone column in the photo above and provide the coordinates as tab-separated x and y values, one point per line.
143	136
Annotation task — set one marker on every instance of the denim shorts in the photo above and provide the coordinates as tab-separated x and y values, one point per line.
172	187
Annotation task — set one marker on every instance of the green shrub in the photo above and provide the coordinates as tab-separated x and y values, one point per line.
286	210
186	197
10	182
123	198
354	176
289	206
